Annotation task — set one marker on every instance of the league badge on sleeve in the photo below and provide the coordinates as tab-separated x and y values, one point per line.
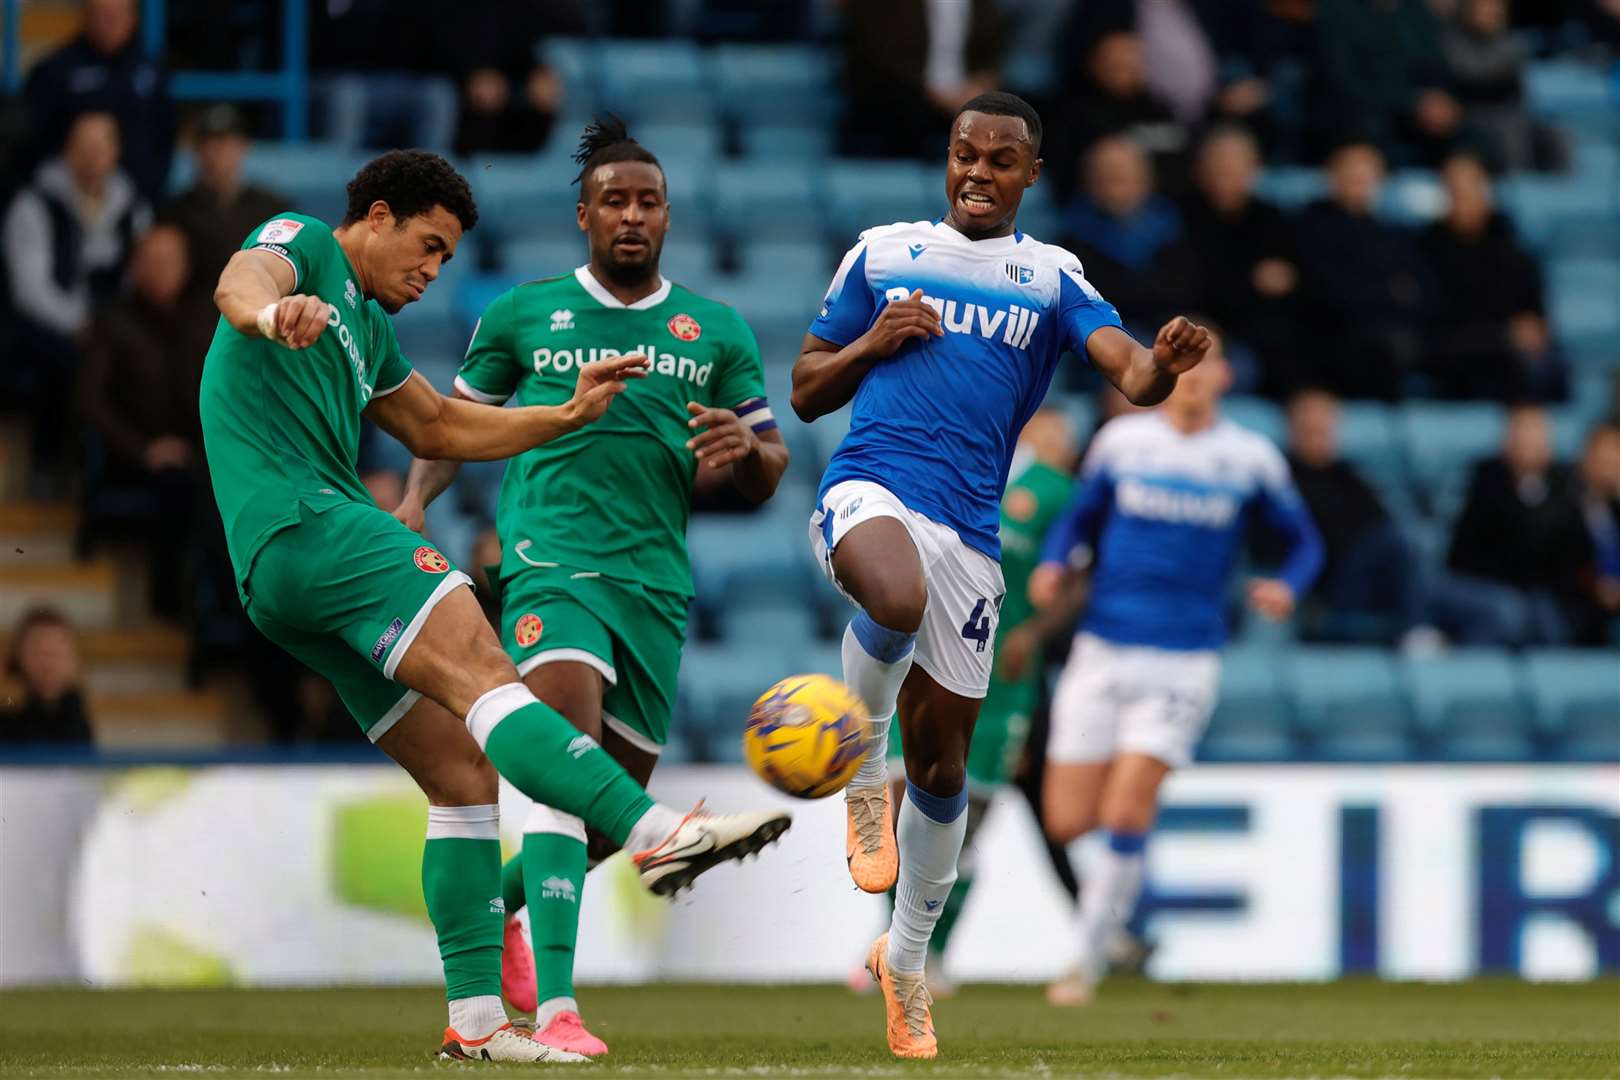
685	327
279	231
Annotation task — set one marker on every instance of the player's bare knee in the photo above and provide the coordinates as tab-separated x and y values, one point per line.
897	605
938	776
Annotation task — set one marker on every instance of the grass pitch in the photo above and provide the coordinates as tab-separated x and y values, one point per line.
1350	1029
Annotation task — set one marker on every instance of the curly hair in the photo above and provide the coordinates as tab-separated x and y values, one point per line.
411	182
606	140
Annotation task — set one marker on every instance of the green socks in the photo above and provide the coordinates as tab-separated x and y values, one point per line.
549	760
554	877
461	880
512	885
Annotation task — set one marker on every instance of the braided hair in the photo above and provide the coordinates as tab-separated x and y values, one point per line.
605	141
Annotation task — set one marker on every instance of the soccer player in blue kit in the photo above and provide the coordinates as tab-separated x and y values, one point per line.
945	335
1165	498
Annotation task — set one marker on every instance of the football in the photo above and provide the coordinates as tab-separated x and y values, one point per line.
806	735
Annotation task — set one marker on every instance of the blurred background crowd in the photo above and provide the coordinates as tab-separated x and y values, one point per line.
1402	215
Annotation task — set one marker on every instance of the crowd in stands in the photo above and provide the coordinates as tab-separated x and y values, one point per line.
1163	119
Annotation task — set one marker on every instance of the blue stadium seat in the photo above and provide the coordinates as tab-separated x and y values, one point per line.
788	294
1412	197
474	294
1370	440
766	200
773	82
794	256
1253	720
1577	695
1575	94
868	193
1291	186
717	687
682	146
790	625
734	553
433	342
806	143
311	174
578	62
1350	704
1257	414
1443	440
1567	214
1584	296
655	80
518	195
828	431
534	258
1471	705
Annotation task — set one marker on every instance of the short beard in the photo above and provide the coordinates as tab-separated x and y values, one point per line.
627	274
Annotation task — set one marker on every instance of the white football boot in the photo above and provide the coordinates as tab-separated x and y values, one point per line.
505	1043
703	841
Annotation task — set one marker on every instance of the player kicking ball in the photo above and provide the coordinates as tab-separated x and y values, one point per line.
945	335
305	348
594	577
1163	503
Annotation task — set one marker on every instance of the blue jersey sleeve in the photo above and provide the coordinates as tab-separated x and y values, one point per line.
1282	508
849	308
1076	528
1081	309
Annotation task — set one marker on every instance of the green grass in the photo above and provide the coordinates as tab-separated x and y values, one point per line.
1487	1028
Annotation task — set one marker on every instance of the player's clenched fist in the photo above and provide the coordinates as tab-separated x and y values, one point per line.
901	321
295	321
600	383
1180	345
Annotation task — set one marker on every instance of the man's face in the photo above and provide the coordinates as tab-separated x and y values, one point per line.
109	24
1600	465
1469	191
1528	446
1118	177
1313	428
404	257
1116	65
161	265
49	660
1355	173
219	160
624	213
92	149
1227	169
1205	385
992	162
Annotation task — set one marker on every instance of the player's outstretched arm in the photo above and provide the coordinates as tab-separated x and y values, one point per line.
826	376
442	428
1146	376
255	294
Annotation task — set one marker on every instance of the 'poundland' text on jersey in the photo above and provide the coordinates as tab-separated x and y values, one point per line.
682	367
351	345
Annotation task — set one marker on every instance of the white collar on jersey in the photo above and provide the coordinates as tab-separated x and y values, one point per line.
994	245
599	293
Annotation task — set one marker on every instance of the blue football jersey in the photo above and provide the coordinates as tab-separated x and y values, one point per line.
1164	513
936	423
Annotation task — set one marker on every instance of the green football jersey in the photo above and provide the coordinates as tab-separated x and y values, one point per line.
282	428
613	497
1035	497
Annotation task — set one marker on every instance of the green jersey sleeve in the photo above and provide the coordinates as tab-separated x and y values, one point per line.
742	379
490	371
392	367
299	239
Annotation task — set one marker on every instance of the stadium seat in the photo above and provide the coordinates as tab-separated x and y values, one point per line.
865	193
789	624
682	146
1471	705
808	143
771	257
732	553
1584	296
311	174
1253	721
1443	440
578	62
1577	696
434	343
788	294
530	259
773	83
518	195
1412	197
1566	214
1370	440
761	200
717	687
828	431
1257	414
1350	704
1575	94
1291	186
649	81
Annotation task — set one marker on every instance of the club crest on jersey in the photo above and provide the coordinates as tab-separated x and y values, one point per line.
528	630
562	319
1019	274
430	561
685	327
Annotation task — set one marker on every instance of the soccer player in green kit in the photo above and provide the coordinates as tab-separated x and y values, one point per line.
304	348
1041	479
594	575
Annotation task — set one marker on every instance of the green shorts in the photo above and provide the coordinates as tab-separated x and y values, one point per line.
346	591
631	634
998	736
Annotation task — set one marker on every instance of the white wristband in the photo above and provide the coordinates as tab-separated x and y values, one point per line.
266	321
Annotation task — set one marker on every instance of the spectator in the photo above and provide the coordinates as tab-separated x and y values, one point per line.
1384	78
1109	95
1521	545
1487	62
44	658
1131	239
1370	569
1361	283
1178	58
106	69
908	66
1247	249
66	238
1487	331
221	208
509	99
142	365
1600	509
1264	53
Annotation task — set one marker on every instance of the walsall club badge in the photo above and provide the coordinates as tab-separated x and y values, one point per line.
685	327
430	561
528	630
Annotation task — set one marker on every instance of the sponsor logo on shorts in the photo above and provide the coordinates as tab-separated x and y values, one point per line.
430	561
528	629
685	327
389	636
580	746
559	888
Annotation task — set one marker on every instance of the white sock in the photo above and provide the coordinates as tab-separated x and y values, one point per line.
1108	898
876	661
548	1010
653	828
477	1017
929	831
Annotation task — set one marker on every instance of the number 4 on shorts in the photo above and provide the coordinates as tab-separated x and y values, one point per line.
977	627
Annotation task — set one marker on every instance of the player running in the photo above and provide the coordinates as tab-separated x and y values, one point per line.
945	334
305	348
1164	500
594	577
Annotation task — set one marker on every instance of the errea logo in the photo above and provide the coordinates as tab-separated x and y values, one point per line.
559	888
562	319
350	293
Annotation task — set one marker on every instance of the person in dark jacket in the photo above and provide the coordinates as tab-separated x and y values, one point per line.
1487	328
106	68
1361	281
44	659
